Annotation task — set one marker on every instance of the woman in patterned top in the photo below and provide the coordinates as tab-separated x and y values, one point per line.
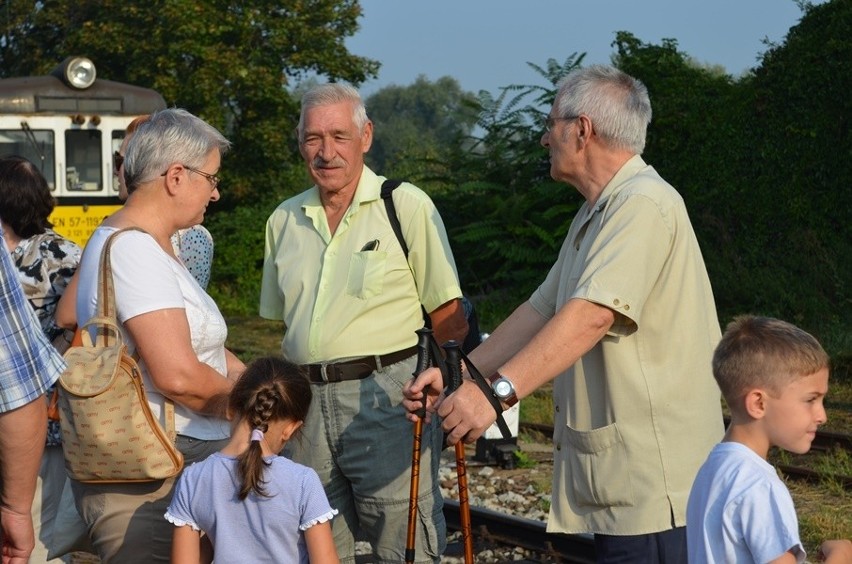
45	262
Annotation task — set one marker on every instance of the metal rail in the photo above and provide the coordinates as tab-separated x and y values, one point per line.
492	527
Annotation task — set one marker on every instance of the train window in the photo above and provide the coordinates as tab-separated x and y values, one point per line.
84	170
37	146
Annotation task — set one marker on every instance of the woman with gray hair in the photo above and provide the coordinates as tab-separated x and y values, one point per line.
167	319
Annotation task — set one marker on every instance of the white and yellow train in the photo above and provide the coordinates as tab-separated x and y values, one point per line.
70	123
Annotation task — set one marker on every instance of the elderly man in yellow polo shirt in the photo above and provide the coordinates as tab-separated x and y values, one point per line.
335	273
626	324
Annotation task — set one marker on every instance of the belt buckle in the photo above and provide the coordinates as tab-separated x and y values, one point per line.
330	373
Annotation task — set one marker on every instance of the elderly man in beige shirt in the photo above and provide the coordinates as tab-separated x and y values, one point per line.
626	325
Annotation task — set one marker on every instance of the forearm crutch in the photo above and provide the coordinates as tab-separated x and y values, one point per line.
424	361
454	370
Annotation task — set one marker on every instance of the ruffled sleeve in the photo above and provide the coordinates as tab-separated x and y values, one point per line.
321	519
314	503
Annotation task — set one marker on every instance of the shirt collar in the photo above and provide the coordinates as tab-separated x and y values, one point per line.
368	189
627	170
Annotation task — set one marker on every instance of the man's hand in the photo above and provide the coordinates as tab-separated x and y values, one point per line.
836	551
16	536
429	383
466	413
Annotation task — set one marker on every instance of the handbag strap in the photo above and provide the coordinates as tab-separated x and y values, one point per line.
106	284
106	308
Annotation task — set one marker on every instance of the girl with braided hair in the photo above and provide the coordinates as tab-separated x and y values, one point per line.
246	503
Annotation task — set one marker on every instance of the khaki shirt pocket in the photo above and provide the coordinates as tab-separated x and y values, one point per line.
598	465
366	274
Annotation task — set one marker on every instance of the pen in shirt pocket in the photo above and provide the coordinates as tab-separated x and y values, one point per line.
371	245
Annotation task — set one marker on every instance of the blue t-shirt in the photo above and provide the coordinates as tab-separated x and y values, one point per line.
740	511
257	529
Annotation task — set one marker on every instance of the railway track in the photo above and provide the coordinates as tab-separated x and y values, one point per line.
492	528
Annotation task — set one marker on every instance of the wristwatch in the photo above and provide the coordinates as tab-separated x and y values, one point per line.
503	389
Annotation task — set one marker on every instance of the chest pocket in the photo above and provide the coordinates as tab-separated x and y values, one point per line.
366	276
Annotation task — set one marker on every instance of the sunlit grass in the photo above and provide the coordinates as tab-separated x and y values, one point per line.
538	406
251	337
824	511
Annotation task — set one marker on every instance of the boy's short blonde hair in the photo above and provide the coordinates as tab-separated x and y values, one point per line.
763	352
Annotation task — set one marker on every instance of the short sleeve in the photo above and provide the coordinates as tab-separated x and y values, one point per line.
271	297
179	512
314	503
144	278
543	300
766	517
430	255
626	257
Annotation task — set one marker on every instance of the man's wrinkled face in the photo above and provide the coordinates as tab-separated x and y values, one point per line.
333	147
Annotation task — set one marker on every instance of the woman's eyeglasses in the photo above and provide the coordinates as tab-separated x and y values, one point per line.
211	178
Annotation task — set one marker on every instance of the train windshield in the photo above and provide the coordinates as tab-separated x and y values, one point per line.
37	146
84	167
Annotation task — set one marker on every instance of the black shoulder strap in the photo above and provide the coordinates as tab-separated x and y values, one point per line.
388	186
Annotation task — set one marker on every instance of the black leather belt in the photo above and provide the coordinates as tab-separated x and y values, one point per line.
355	369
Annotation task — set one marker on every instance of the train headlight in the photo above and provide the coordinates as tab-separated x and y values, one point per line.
77	72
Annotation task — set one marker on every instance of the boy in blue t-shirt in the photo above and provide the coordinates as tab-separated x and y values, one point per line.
774	377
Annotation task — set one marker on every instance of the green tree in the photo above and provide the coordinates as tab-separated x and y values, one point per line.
416	125
229	62
506	217
233	63
800	127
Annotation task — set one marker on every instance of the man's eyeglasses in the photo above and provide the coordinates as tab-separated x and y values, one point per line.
212	178
550	121
117	161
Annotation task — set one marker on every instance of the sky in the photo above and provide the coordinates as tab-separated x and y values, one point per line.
486	44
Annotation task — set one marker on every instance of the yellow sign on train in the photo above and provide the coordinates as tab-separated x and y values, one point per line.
77	222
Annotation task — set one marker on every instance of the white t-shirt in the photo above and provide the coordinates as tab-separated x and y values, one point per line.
147	279
739	510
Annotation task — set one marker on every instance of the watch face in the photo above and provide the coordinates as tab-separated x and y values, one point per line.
503	388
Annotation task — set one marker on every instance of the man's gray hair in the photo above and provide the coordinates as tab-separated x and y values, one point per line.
169	136
333	93
617	104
